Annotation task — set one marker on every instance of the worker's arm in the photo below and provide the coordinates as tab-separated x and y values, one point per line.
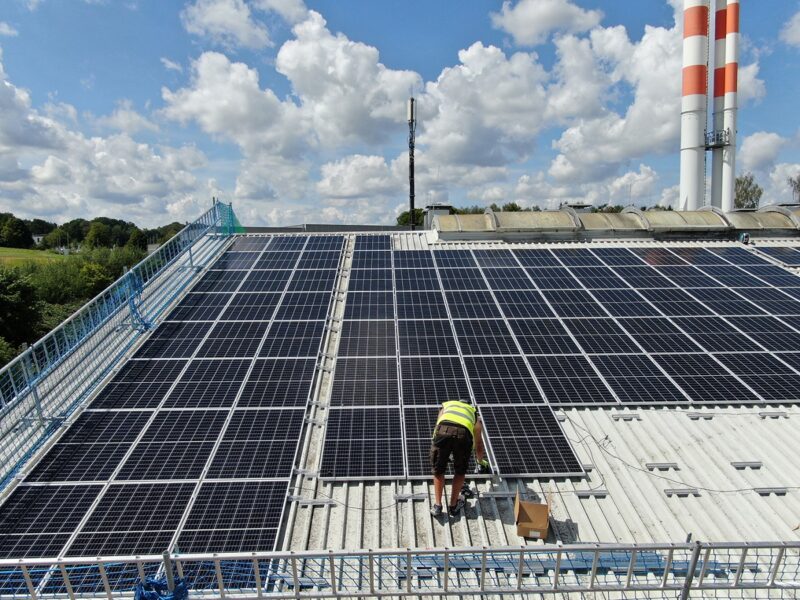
479	453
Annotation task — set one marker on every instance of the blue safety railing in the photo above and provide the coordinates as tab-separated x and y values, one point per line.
43	385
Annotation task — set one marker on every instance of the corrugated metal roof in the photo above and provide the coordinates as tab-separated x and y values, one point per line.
623	498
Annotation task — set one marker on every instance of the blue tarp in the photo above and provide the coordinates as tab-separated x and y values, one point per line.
157	589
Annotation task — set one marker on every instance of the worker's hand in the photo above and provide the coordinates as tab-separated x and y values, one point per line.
483	468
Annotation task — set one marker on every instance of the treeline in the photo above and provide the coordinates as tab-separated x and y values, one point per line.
100	232
36	296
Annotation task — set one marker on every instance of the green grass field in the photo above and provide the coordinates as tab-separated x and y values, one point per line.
16	256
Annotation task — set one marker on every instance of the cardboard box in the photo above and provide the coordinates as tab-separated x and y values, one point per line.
532	518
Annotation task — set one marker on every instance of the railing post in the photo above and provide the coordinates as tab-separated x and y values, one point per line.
521	567
168	571
774	571
28	582
687	584
738	577
30	382
371	558
557	570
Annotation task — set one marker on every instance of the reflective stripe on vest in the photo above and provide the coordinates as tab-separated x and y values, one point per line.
460	413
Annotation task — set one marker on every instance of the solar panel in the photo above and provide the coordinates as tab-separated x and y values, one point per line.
601	336
715	334
577	257
251	306
730	276
772	300
658	256
413	259
367	338
501	380
725	302
738	256
412	280
235	260
432	379
698	256
554	278
495	258
79	462
505	278
277	260
523	304
570	380
543	336
319	260
293	339
536	258
250	244
489	336
373	242
319	280
688	277
462	279
365	382
199	307
673	302
363	443
220	281
772	379
203	394
184	426
131	395
625	303
658	335
773	334
617	256
420	305
598	278
166	460
573	303
472	305
636	379
104	427
284	243
266	281
704	380
234	517
642	278
454	259
370	280
787	255
426	338
233	340
207	370
372	260
303	306
325	243
528	441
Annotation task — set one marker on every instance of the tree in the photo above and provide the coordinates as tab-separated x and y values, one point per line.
76	230
99	235
403	218
748	192
7	352
511	207
40	226
57	238
137	240
19	309
15	234
794	183
94	279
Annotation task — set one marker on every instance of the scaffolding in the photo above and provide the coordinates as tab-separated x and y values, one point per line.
44	385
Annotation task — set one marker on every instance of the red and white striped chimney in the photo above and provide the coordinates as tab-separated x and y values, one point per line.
731	104
694	103
720	27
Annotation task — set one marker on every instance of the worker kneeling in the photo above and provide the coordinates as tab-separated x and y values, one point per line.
457	426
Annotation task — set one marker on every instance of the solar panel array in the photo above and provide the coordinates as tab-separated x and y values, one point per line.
192	443
787	255
524	331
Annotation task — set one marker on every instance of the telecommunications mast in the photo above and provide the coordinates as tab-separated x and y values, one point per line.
412	130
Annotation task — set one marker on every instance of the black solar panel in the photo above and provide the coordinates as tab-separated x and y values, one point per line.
705	380
266	281
488	336
293	339
643	278
303	306
698	256
426	338
166	460
501	380
617	256
517	304
253	306
365	382
373	242
131	395
573	303
250	244
412	280
673	302
454	259
506	278
216	370
688	277
234	517
370	280
601	336
293	242
363	443
773	334
233	340
636	379
318	280
577	257
658	256
536	258
420	305
277	260
235	260
369	259
625	303
199	307
738	256
658	335
173	340
472	305
715	334
788	256
45	509
598	278
495	258
432	380
367	338
554	278
570	380
79	462
462	279
324	243
220	281
527	440
413	259
204	394
543	336
319	260
106	427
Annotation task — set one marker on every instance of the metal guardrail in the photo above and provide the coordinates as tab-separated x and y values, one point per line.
42	386
647	570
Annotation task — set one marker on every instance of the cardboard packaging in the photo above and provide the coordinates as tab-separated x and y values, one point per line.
532	518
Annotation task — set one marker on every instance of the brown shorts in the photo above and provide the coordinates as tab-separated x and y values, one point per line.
451	439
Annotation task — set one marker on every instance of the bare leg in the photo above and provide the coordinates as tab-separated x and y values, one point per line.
438	488
458	483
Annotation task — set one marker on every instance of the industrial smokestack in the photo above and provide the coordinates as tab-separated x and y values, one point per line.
719	139
731	104
694	103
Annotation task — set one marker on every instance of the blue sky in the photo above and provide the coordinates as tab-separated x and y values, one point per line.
294	111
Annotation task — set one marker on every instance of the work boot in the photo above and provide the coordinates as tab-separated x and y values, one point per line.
454	510
436	511
467	492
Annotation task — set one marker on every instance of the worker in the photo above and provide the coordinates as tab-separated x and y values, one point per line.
458	426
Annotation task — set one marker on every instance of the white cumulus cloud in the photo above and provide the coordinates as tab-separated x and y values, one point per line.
171	65
229	23
530	22
790	33
7	30
126	119
760	150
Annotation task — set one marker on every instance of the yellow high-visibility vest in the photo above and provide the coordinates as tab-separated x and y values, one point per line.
460	413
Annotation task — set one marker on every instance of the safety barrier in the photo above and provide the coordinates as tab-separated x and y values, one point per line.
42	386
649	570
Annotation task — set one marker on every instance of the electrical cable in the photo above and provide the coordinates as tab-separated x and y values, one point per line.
606	441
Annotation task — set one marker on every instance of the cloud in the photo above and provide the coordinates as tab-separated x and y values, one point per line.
7	30
170	65
293	11
358	176
530	22
790	34
126	119
228	23
760	150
